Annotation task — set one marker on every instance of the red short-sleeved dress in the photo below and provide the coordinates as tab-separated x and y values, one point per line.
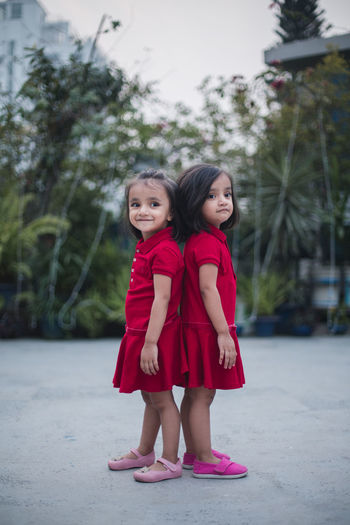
199	336
157	255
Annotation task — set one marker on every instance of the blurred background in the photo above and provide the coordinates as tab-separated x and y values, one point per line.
93	92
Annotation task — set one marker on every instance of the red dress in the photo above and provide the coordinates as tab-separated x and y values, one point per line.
199	335
158	255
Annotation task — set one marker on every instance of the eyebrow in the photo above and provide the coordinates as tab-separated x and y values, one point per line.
134	199
225	189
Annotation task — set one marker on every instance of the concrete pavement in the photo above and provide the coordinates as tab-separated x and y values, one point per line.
61	420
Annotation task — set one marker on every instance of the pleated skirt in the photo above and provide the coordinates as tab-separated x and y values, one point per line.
172	361
203	359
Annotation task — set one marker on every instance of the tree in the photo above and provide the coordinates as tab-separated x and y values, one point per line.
58	167
299	20
69	140
56	100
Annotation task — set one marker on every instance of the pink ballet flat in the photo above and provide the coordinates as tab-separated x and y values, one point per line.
151	476
126	463
188	458
226	469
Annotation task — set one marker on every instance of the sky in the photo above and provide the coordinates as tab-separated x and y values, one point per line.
179	42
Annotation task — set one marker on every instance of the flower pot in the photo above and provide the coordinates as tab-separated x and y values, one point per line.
303	330
239	330
265	325
338	329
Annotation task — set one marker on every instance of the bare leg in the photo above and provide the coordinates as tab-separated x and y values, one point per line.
169	415
185	420
199	422
150	428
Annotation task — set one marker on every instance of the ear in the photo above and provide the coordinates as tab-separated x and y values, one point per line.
170	217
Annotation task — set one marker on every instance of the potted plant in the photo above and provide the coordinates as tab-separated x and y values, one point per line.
302	322
272	290
339	321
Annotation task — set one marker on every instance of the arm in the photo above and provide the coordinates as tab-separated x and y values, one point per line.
207	283
149	352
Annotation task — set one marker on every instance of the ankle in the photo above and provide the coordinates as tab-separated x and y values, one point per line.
170	457
207	457
144	451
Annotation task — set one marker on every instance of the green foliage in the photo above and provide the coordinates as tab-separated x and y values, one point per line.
285	173
57	101
298	213
273	290
77	130
64	160
96	310
14	233
299	20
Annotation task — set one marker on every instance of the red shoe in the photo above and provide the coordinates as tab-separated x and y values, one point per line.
188	458
226	469
173	470
121	463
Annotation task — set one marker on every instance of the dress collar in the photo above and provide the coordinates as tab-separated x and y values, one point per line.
146	246
217	233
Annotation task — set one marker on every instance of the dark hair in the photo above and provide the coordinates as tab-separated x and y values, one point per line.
194	185
170	187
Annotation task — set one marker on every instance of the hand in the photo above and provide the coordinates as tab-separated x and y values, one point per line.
227	350
149	359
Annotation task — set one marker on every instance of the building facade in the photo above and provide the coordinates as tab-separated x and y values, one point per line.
300	54
23	25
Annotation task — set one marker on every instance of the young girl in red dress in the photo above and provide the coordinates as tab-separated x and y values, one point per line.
208	206
150	358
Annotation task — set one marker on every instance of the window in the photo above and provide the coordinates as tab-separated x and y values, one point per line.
2	11
11	48
16	11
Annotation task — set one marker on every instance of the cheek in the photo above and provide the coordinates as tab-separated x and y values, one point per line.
132	214
208	206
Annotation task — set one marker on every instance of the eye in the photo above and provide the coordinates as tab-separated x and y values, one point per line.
211	196
134	205
154	204
228	194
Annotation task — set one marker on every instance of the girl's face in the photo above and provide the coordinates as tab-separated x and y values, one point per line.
218	206
149	208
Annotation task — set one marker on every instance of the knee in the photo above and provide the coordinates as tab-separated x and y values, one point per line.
161	402
202	395
146	397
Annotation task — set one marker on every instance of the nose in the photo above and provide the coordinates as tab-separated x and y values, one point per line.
221	200
143	210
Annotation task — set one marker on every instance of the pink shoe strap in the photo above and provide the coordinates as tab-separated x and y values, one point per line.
136	452
222	466
170	466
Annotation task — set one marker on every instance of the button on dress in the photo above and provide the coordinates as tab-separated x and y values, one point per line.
157	255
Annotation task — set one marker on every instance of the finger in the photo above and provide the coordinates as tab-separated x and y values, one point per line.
234	357
221	356
151	369
154	367
227	360
231	360
145	368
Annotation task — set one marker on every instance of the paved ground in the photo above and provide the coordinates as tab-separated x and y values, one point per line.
61	420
